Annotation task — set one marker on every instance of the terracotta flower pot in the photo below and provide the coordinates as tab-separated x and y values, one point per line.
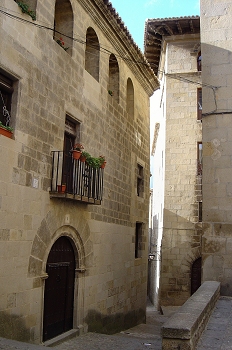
76	154
103	165
61	188
82	159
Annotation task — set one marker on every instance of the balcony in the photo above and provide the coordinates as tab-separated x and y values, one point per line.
75	180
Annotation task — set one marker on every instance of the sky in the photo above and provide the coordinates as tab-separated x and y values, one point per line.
135	12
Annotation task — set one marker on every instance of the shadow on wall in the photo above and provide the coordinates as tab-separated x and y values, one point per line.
111	324
216	123
13	327
181	246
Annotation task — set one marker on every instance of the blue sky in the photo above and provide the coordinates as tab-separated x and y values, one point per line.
135	12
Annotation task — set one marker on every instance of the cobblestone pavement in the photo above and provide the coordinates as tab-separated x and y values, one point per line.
218	333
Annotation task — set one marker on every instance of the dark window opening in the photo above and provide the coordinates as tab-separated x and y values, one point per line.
92	53
113	78
138	239
71	136
200	211
199	104
195	275
139	180
199	62
199	158
130	98
63	25
6	91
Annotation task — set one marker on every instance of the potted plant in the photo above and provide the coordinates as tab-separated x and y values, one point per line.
61	43
25	9
77	150
6	130
61	188
84	156
102	161
94	162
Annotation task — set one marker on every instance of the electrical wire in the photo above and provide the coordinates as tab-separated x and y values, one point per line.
96	47
81	41
107	51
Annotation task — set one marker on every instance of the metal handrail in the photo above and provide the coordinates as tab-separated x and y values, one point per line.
80	179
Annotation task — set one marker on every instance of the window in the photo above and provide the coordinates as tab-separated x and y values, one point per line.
139	180
199	158
63	24
200	211
92	53
113	77
6	91
199	104
138	240
199	61
130	98
71	136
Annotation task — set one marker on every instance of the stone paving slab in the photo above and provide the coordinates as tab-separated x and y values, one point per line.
218	333
94	341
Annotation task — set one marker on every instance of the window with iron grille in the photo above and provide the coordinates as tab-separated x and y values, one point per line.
6	91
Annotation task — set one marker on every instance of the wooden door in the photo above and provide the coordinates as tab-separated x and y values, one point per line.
59	289
196	275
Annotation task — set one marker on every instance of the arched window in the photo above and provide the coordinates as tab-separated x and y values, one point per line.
113	78
130	98
92	53
63	25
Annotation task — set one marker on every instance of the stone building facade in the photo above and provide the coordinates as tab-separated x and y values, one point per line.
172	47
84	250
216	29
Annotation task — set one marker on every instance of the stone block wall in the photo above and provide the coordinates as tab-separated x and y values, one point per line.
217	111
50	83
181	242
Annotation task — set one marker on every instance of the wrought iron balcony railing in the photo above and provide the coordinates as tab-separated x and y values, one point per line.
73	179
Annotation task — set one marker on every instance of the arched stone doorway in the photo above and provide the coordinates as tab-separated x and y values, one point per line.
59	289
196	275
